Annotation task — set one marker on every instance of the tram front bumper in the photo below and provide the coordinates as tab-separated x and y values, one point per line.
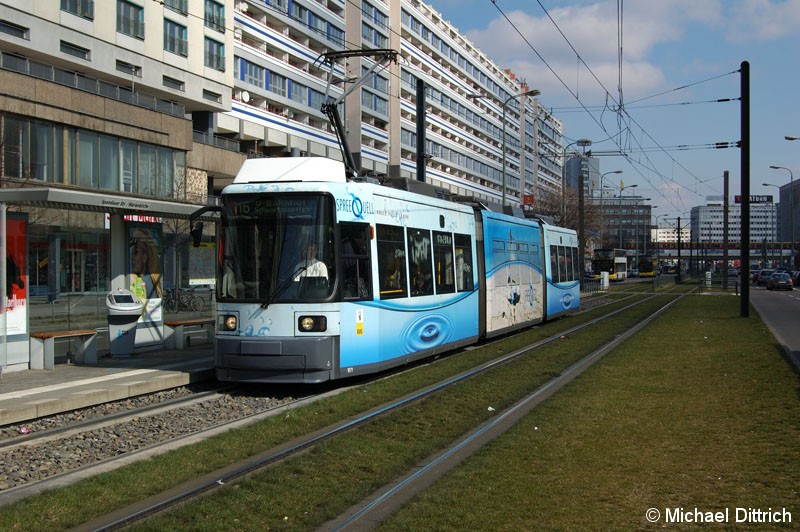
290	359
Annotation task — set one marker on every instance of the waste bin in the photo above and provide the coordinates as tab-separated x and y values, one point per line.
124	309
604	280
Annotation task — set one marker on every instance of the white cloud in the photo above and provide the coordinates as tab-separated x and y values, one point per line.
762	20
592	31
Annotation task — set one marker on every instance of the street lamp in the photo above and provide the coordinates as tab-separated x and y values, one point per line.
658	240
792	137
791	202
602	228
636	219
621	190
582	143
647	234
530	92
773	233
581	209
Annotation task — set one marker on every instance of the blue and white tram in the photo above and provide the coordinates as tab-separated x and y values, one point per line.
321	278
564	271
513	281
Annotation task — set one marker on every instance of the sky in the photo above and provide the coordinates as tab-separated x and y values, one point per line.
676	59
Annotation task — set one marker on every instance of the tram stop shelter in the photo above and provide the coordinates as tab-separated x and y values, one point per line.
65	249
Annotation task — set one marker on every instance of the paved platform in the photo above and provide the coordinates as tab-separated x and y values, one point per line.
34	393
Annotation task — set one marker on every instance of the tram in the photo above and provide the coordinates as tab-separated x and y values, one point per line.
321	277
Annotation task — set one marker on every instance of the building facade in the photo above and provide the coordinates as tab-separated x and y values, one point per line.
788	220
107	119
280	83
707	221
669	235
622	222
707	229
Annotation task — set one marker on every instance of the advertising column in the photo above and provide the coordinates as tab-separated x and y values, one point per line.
14	352
145	267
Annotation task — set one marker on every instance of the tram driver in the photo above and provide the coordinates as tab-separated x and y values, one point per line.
311	266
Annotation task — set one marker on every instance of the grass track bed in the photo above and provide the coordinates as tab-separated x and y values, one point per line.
706	419
315	487
298	496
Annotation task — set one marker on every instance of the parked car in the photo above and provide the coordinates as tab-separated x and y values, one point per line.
754	275
780	281
763	275
733	272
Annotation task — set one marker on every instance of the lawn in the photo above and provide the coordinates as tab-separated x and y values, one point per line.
698	414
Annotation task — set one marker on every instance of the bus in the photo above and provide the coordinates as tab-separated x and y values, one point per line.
647	266
613	261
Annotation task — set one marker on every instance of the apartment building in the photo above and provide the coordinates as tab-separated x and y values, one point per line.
106	120
280	82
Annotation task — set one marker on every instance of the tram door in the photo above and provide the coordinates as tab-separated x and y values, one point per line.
72	271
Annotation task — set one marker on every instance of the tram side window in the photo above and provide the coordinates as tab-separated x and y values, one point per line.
419	262
391	261
357	271
564	264
565	258
464	282
577	268
444	265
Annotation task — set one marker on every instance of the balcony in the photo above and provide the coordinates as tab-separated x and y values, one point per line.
75	80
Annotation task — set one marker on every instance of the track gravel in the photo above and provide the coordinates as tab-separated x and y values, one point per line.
23	464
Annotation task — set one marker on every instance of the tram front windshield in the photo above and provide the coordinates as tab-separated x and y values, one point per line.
276	247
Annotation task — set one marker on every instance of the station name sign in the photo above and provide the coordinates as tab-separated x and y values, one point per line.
754	199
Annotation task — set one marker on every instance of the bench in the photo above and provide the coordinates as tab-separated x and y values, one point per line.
179	338
43	347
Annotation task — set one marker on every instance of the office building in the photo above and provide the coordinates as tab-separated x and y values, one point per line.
707	228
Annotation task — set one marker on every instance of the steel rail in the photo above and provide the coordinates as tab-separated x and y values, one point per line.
374	509
191	489
101	421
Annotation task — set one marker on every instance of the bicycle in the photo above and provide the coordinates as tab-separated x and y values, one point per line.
181	299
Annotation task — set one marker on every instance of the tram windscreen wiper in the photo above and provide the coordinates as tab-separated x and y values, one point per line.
283	286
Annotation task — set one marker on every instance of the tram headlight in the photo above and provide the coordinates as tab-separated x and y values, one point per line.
228	322
312	323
